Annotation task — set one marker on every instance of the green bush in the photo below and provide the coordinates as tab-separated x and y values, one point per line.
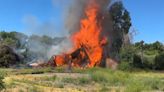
7	56
159	61
127	53
148	62
137	62
127	56
125	66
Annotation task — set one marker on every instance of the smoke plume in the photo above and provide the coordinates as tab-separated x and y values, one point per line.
73	12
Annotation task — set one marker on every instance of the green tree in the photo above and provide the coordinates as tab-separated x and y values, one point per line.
158	46
137	61
159	61
127	53
121	24
7	56
9	42
150	54
9	38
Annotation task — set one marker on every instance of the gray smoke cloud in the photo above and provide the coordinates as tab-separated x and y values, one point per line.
77	11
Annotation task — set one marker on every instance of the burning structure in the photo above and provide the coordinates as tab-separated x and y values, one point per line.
89	41
91	33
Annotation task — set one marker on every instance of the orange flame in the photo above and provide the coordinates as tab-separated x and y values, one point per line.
59	60
89	35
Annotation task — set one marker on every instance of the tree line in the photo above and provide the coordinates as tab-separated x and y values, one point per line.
142	56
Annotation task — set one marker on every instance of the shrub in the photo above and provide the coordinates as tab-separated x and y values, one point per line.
7	56
127	53
148	62
137	62
125	66
159	61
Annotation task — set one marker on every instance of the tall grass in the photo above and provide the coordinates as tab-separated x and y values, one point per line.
108	76
77	81
2	74
127	80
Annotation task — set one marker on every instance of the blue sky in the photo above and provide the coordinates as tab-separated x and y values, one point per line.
147	16
12	12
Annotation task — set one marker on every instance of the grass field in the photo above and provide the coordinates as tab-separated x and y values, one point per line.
88	80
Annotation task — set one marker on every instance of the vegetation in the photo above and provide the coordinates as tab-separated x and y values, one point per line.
159	61
139	55
99	80
142	56
2	74
7	56
121	25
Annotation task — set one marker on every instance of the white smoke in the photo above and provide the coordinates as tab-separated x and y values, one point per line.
63	47
33	26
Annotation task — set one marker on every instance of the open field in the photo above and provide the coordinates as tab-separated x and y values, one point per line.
89	80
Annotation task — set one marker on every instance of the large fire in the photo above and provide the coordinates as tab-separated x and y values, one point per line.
87	41
89	35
